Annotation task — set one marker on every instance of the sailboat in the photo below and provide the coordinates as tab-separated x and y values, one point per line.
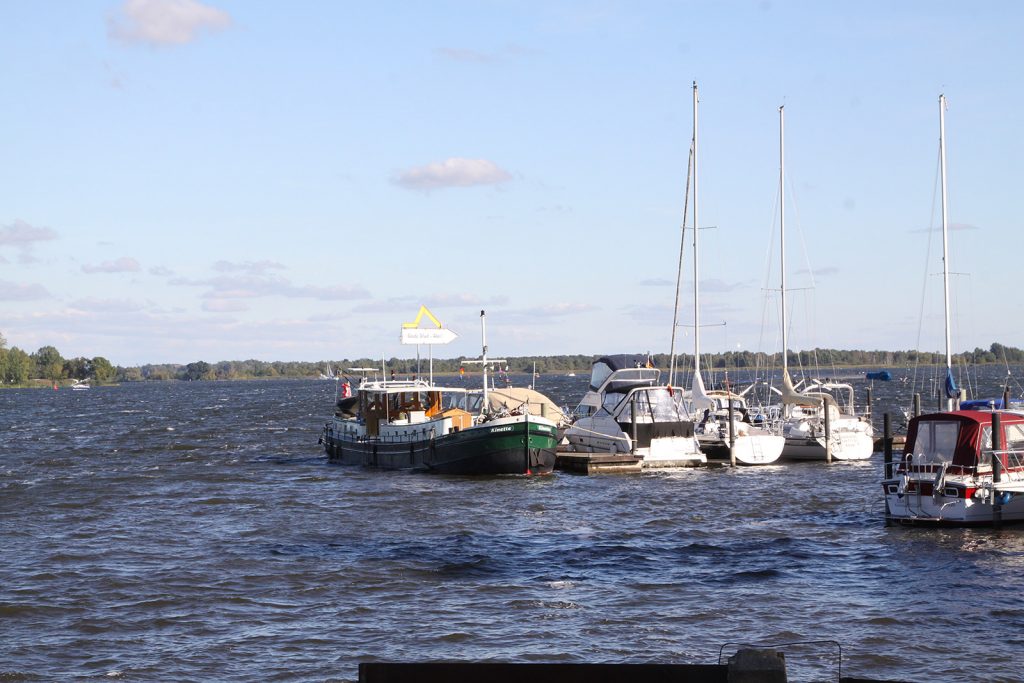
959	467
845	435
724	432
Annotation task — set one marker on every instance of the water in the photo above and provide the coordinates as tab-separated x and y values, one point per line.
194	531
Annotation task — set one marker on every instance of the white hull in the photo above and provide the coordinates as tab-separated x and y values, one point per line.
752	449
856	445
916	500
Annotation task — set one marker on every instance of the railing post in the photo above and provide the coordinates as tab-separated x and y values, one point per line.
917	405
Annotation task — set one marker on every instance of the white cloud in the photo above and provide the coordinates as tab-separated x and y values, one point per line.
254	267
22	235
257	284
12	291
224	306
454	172
161	271
165	22
106	305
124	264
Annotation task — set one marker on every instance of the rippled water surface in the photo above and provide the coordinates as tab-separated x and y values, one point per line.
194	531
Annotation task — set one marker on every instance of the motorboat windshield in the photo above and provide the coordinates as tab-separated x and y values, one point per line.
621	373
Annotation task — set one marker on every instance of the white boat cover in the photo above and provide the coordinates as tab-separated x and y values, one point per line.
513	397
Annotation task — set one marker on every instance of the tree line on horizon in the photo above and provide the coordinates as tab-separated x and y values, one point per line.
19	368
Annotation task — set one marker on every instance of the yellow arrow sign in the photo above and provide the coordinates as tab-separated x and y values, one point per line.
419	316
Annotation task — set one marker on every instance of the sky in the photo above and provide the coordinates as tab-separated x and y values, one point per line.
212	180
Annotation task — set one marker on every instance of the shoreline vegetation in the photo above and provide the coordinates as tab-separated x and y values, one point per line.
46	367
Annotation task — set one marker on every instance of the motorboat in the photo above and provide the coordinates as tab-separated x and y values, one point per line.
80	385
417	425
947	472
627	410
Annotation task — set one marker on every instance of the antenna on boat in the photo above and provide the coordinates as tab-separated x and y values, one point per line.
483	341
950	387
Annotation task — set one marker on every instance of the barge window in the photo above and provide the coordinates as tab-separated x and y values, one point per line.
936	441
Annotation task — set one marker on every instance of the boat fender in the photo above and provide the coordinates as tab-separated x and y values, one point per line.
939	483
1005	497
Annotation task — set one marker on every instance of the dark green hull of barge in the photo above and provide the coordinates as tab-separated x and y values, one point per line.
516	448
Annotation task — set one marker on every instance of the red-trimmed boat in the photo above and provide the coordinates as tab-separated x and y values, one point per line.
946	473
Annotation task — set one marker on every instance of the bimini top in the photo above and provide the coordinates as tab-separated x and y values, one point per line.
966	432
624	371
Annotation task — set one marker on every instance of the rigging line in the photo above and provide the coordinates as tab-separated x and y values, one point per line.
679	269
927	258
799	226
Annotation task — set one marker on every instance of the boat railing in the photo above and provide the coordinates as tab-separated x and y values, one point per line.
1012	462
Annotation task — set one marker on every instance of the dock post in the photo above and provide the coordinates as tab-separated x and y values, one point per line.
917	405
1006	399
632	424
828	432
867	410
887	456
732	432
997	469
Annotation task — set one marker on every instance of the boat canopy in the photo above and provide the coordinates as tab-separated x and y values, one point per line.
960	437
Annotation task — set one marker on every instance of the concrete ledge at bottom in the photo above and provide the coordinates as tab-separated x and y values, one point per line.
757	666
494	672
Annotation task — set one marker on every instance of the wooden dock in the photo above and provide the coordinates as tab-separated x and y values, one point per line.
598	463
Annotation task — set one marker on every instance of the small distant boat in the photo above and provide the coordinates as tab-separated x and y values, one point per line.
571	374
880	375
80	385
329	374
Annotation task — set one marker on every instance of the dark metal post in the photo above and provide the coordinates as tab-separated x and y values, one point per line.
632	423
828	431
887	456
1006	399
867	410
732	433
917	405
997	469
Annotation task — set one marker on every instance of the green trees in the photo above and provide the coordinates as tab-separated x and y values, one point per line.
101	369
49	363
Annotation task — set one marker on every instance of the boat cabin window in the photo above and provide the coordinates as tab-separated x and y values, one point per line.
936	441
1014	437
652	403
583	410
471	403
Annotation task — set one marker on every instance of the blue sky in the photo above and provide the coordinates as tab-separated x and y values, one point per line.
189	180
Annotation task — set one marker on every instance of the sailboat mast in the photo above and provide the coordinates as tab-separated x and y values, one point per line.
782	234
945	233
696	259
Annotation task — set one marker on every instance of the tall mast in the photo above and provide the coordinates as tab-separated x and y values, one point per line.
945	240
782	233
696	259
